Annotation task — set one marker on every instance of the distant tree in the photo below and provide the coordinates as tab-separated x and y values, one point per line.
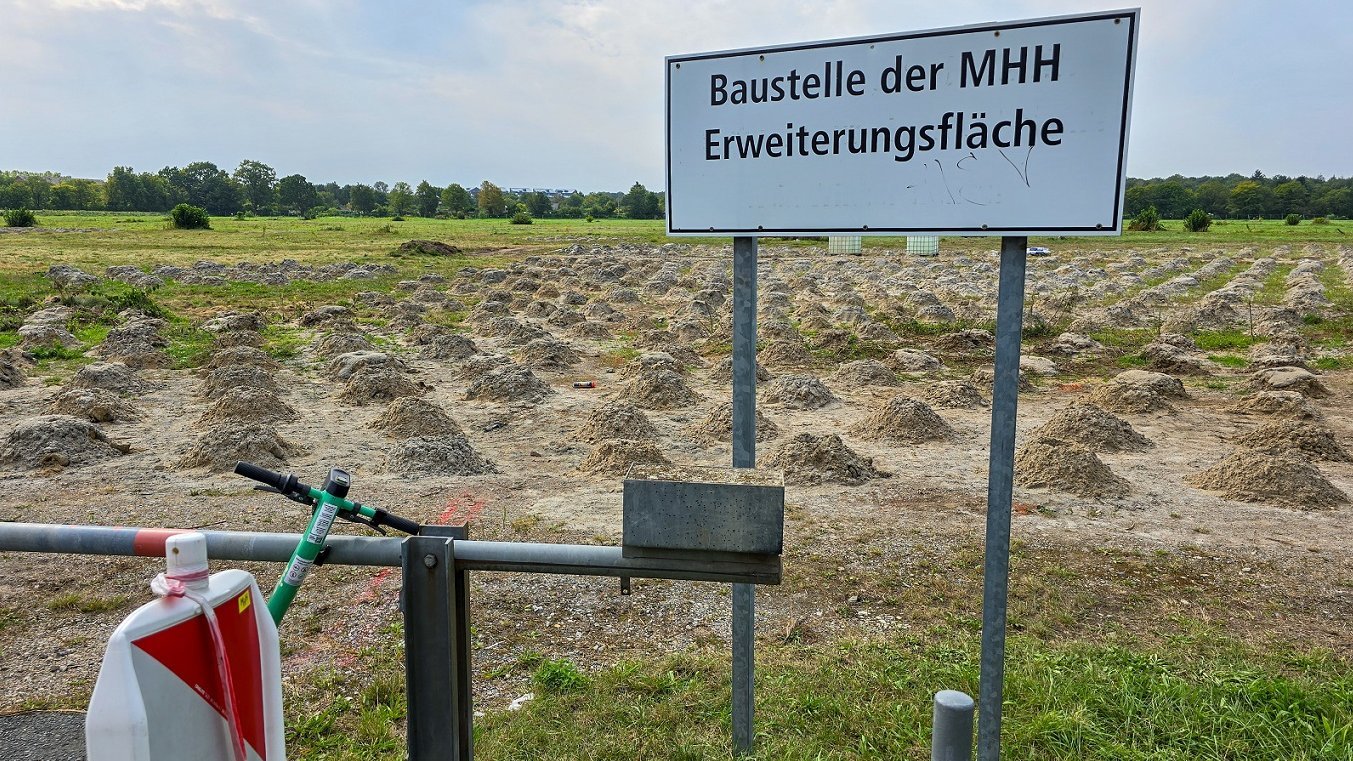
599	205
15	195
1173	200
188	217
457	200
1212	197
258	181
295	194
1291	197
362	199
203	184
124	190
537	204
491	200
1250	199
640	203
382	192
428	197
400	199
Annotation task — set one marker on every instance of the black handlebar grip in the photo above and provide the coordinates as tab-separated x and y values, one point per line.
263	475
397	523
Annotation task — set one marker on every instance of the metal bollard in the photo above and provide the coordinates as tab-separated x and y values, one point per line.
951	733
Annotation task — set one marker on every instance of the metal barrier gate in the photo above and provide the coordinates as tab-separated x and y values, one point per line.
435	590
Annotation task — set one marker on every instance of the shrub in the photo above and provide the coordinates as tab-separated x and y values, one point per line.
1320	221
1292	219
187	217
589	218
1147	220
20	217
397	218
1197	221
522	218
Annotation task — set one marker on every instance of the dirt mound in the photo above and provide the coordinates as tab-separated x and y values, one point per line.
109	376
1138	391
379	383
410	417
1291	404
329	313
1250	476
237	338
798	392
658	389
589	329
57	441
615	456
449	455
812	459
617	420
428	248
1296	438
865	372
93	404
223	379
651	360
549	354
717	427
448	346
245	404
954	395
722	372
912	361
1289	379
1066	466
235	321
138	344
344	366
337	344
904	420
509	383
240	356
11	374
219	448
1093	427
972	341
784	353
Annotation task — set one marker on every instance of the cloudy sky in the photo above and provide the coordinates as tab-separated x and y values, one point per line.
570	94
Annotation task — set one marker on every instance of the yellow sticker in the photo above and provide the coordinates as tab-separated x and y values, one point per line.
244	601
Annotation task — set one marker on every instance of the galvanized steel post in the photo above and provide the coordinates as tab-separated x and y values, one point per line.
1000	490
436	648
744	456
951	727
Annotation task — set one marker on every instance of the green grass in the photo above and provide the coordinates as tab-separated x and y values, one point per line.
1215	340
1229	360
77	602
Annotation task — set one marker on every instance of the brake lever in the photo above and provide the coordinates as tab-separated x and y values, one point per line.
352	517
304	500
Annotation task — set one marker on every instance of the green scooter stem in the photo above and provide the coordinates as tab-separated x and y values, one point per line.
303	559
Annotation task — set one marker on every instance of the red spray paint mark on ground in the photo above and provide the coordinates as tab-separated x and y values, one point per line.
460	510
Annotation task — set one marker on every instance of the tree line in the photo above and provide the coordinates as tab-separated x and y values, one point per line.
254	188
1236	196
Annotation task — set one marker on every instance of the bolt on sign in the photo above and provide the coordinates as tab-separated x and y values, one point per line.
1016	128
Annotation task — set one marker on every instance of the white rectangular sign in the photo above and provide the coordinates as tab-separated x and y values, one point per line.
1000	129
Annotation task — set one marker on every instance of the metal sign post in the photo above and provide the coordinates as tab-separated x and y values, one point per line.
744	456
1000	488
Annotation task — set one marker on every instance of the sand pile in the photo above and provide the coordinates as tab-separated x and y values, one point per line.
1250	476
865	372
237	338
617	420
344	366
1066	466
1138	391
509	383
326	314
1291	404
658	389
615	456
1296	438
219	448
448	346
651	360
448	455
954	395
224	379
239	356
380	383
1091	426
812	459
549	354
1289	379
589	329
428	248
247	405
722	372
230	322
410	417
137	344
93	404
717	427
335	344
1169	358
967	342
798	392
904	420
109	376
57	441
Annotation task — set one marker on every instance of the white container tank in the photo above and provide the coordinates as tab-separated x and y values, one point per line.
159	695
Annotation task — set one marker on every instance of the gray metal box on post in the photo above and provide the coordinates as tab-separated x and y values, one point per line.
670	509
